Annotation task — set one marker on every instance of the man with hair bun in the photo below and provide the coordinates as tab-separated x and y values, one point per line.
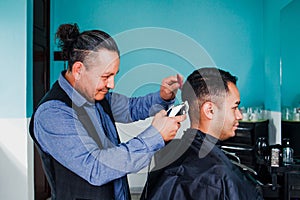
202	170
74	129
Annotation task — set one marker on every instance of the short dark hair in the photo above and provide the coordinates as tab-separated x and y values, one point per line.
206	84
76	46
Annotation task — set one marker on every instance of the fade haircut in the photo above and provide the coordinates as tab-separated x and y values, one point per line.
206	84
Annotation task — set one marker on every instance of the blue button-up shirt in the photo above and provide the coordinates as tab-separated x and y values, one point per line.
60	134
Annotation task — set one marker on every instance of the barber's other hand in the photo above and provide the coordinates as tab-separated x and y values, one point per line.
167	126
170	86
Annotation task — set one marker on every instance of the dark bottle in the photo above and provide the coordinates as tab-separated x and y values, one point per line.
287	152
262	146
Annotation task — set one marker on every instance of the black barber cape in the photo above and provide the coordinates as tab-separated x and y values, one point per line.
195	167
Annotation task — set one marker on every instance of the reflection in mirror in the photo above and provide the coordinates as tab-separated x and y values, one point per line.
290	60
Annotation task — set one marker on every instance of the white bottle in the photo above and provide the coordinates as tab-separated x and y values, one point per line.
287	152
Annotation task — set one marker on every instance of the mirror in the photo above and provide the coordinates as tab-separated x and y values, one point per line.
290	59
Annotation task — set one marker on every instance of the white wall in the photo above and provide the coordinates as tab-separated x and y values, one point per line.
14	170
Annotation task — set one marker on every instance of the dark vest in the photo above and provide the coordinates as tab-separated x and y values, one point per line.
65	184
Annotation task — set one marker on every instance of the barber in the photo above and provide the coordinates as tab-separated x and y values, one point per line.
74	124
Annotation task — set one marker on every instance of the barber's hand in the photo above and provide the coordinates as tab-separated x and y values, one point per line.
170	86
167	126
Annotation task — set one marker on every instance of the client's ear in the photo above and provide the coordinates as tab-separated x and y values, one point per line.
208	109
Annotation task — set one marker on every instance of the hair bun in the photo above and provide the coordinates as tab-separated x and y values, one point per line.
67	34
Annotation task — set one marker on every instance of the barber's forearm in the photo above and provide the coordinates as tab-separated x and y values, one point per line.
146	106
126	110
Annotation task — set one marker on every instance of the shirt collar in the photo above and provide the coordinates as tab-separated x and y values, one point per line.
75	96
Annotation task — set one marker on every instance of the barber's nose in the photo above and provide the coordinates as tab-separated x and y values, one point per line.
111	83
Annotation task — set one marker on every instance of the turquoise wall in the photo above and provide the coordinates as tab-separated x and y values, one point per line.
290	57
13	59
272	55
29	63
226	33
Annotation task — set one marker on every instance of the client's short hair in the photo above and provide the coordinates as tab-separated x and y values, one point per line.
206	84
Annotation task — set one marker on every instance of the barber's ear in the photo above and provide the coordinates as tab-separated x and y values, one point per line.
208	109
77	69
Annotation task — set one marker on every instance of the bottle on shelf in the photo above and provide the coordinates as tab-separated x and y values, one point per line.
262	147
287	152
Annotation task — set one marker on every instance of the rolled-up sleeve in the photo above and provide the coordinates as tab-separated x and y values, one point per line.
126	110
